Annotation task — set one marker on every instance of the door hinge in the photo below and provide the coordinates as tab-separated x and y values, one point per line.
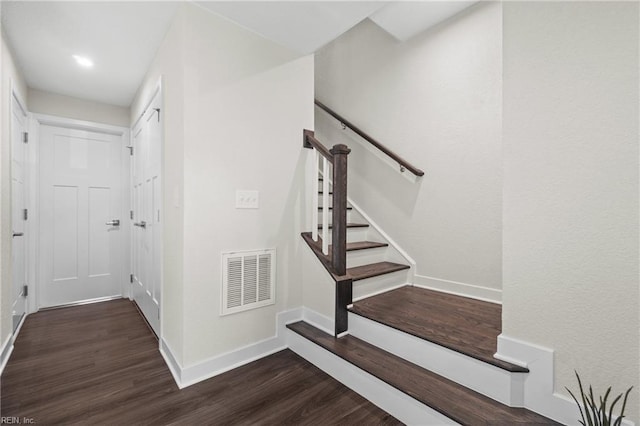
130	148
25	290
131	278
25	214
131	214
158	111
25	137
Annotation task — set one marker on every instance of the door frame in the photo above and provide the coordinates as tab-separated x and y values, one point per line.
38	120
28	189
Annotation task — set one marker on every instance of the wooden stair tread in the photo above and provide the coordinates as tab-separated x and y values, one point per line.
363	245
331	208
350	225
374	269
445	396
464	325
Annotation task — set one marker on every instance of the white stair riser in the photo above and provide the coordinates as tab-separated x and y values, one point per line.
353	234
496	383
365	257
398	404
349	216
380	284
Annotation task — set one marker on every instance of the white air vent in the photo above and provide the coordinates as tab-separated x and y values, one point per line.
248	280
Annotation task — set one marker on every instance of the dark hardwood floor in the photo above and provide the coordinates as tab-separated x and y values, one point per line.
99	364
464	325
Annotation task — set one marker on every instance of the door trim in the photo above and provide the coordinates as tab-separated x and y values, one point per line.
29	190
71	123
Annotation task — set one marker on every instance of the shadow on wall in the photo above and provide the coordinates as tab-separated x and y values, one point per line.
292	223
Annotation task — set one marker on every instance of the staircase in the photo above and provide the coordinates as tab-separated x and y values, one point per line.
423	356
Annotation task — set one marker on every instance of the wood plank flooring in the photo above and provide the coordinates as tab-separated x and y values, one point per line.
449	398
464	325
99	364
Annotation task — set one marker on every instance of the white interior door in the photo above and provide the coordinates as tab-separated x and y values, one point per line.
80	204
18	206
146	193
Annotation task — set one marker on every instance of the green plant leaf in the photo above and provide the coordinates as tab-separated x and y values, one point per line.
578	404
602	412
593	406
615	401
587	416
624	406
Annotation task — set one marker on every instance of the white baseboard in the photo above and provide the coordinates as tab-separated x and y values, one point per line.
539	392
7	349
7	346
228	361
472	291
187	376
315	319
172	362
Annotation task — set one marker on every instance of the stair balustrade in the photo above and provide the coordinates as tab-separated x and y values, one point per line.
334	164
334	259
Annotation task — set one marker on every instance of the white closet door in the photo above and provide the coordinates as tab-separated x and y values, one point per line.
146	201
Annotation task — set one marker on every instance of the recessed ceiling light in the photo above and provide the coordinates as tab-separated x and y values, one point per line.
83	61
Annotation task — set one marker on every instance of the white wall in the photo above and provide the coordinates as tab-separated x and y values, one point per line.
66	106
8	73
236	106
571	188
247	101
436	101
168	65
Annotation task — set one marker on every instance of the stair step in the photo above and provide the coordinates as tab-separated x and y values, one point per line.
320	192
374	269
331	208
464	325
350	225
363	245
449	398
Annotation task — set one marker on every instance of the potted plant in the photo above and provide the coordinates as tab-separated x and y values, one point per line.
596	412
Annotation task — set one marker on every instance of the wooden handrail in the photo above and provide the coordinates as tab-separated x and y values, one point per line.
402	162
309	141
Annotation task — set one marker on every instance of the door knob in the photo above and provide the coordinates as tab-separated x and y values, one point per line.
114	222
17	234
141	224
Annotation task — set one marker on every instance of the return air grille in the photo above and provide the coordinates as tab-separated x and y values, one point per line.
248	280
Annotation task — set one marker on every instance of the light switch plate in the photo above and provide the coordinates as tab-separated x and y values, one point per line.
247	199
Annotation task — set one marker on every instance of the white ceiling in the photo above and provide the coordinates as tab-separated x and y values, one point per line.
303	26
405	19
122	37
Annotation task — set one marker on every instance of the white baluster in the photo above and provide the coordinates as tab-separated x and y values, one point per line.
314	195
325	205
